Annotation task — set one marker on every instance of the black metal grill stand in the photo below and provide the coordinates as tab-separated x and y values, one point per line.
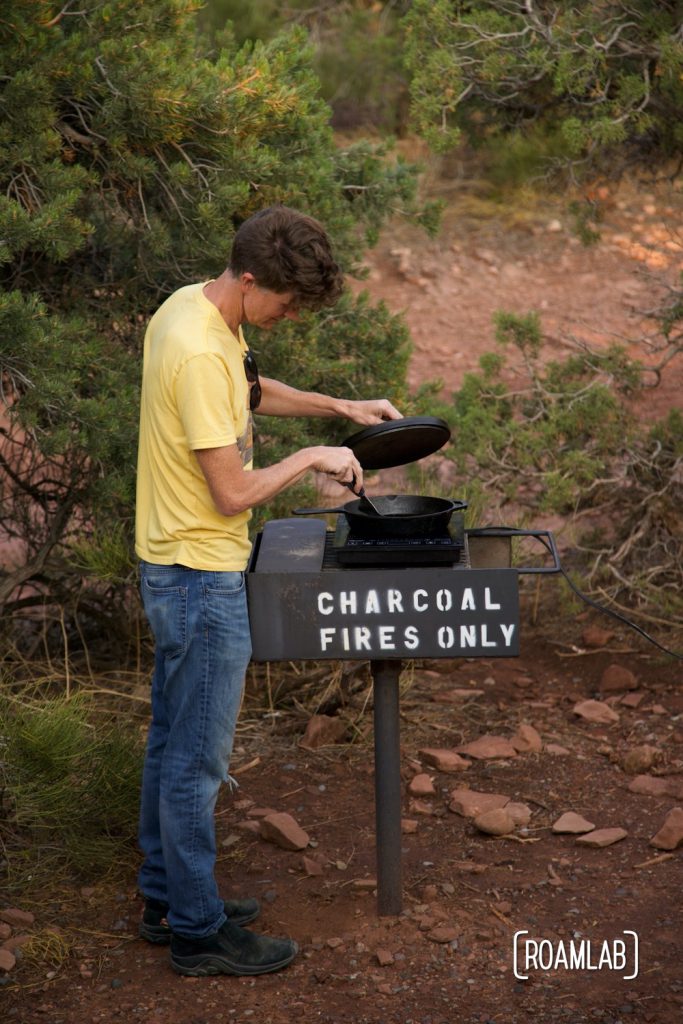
305	605
385	676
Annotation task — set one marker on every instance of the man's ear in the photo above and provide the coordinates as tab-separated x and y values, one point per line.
247	280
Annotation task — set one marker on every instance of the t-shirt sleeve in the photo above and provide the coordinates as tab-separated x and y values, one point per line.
203	392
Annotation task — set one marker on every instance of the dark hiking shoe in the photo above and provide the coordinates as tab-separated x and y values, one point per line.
154	927
231	950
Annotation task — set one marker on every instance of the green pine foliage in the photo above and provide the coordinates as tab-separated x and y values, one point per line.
129	153
561	437
550	437
356	46
70	783
593	86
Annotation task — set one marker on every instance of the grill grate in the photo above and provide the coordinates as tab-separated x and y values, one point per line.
344	550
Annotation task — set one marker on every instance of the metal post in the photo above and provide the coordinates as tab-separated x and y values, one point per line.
385	675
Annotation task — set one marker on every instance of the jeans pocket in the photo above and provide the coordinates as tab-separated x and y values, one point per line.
227	617
166	609
225	583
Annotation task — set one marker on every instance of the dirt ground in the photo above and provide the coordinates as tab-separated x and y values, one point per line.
526	258
449	956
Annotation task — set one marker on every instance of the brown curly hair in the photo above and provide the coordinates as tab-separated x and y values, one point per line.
288	251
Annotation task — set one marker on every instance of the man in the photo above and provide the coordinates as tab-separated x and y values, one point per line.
196	487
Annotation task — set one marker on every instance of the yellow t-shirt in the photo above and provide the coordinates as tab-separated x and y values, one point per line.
194	395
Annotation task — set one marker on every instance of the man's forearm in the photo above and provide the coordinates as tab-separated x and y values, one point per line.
278	399
234	489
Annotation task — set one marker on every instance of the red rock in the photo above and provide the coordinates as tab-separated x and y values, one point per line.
7	960
454	696
573	823
527	739
421	785
674	786
617	678
468	867
408	826
556	749
520	813
596	711
16	941
249	826
596	636
17	918
670	835
632	700
439	913
365	884
649	785
657	709
312	868
489	746
5	931
322	731
384	957
496	822
420	807
602	837
505	674
335	943
469	803
444	760
442	934
282	830
260	812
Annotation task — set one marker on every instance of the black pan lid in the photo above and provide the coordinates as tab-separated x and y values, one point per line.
397	442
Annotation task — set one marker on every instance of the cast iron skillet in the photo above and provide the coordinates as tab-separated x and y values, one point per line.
401	515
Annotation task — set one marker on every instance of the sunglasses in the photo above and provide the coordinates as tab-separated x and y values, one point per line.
251	373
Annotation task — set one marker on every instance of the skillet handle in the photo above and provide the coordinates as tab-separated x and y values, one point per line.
316	511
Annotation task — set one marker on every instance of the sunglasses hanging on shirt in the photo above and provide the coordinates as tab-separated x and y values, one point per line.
251	373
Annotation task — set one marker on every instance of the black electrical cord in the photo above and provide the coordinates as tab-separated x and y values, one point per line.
509	531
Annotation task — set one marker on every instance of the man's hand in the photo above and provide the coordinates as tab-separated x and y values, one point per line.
341	464
370	411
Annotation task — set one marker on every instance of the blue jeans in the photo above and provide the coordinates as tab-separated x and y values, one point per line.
201	628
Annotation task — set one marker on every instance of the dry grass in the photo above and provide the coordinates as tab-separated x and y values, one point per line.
48	948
